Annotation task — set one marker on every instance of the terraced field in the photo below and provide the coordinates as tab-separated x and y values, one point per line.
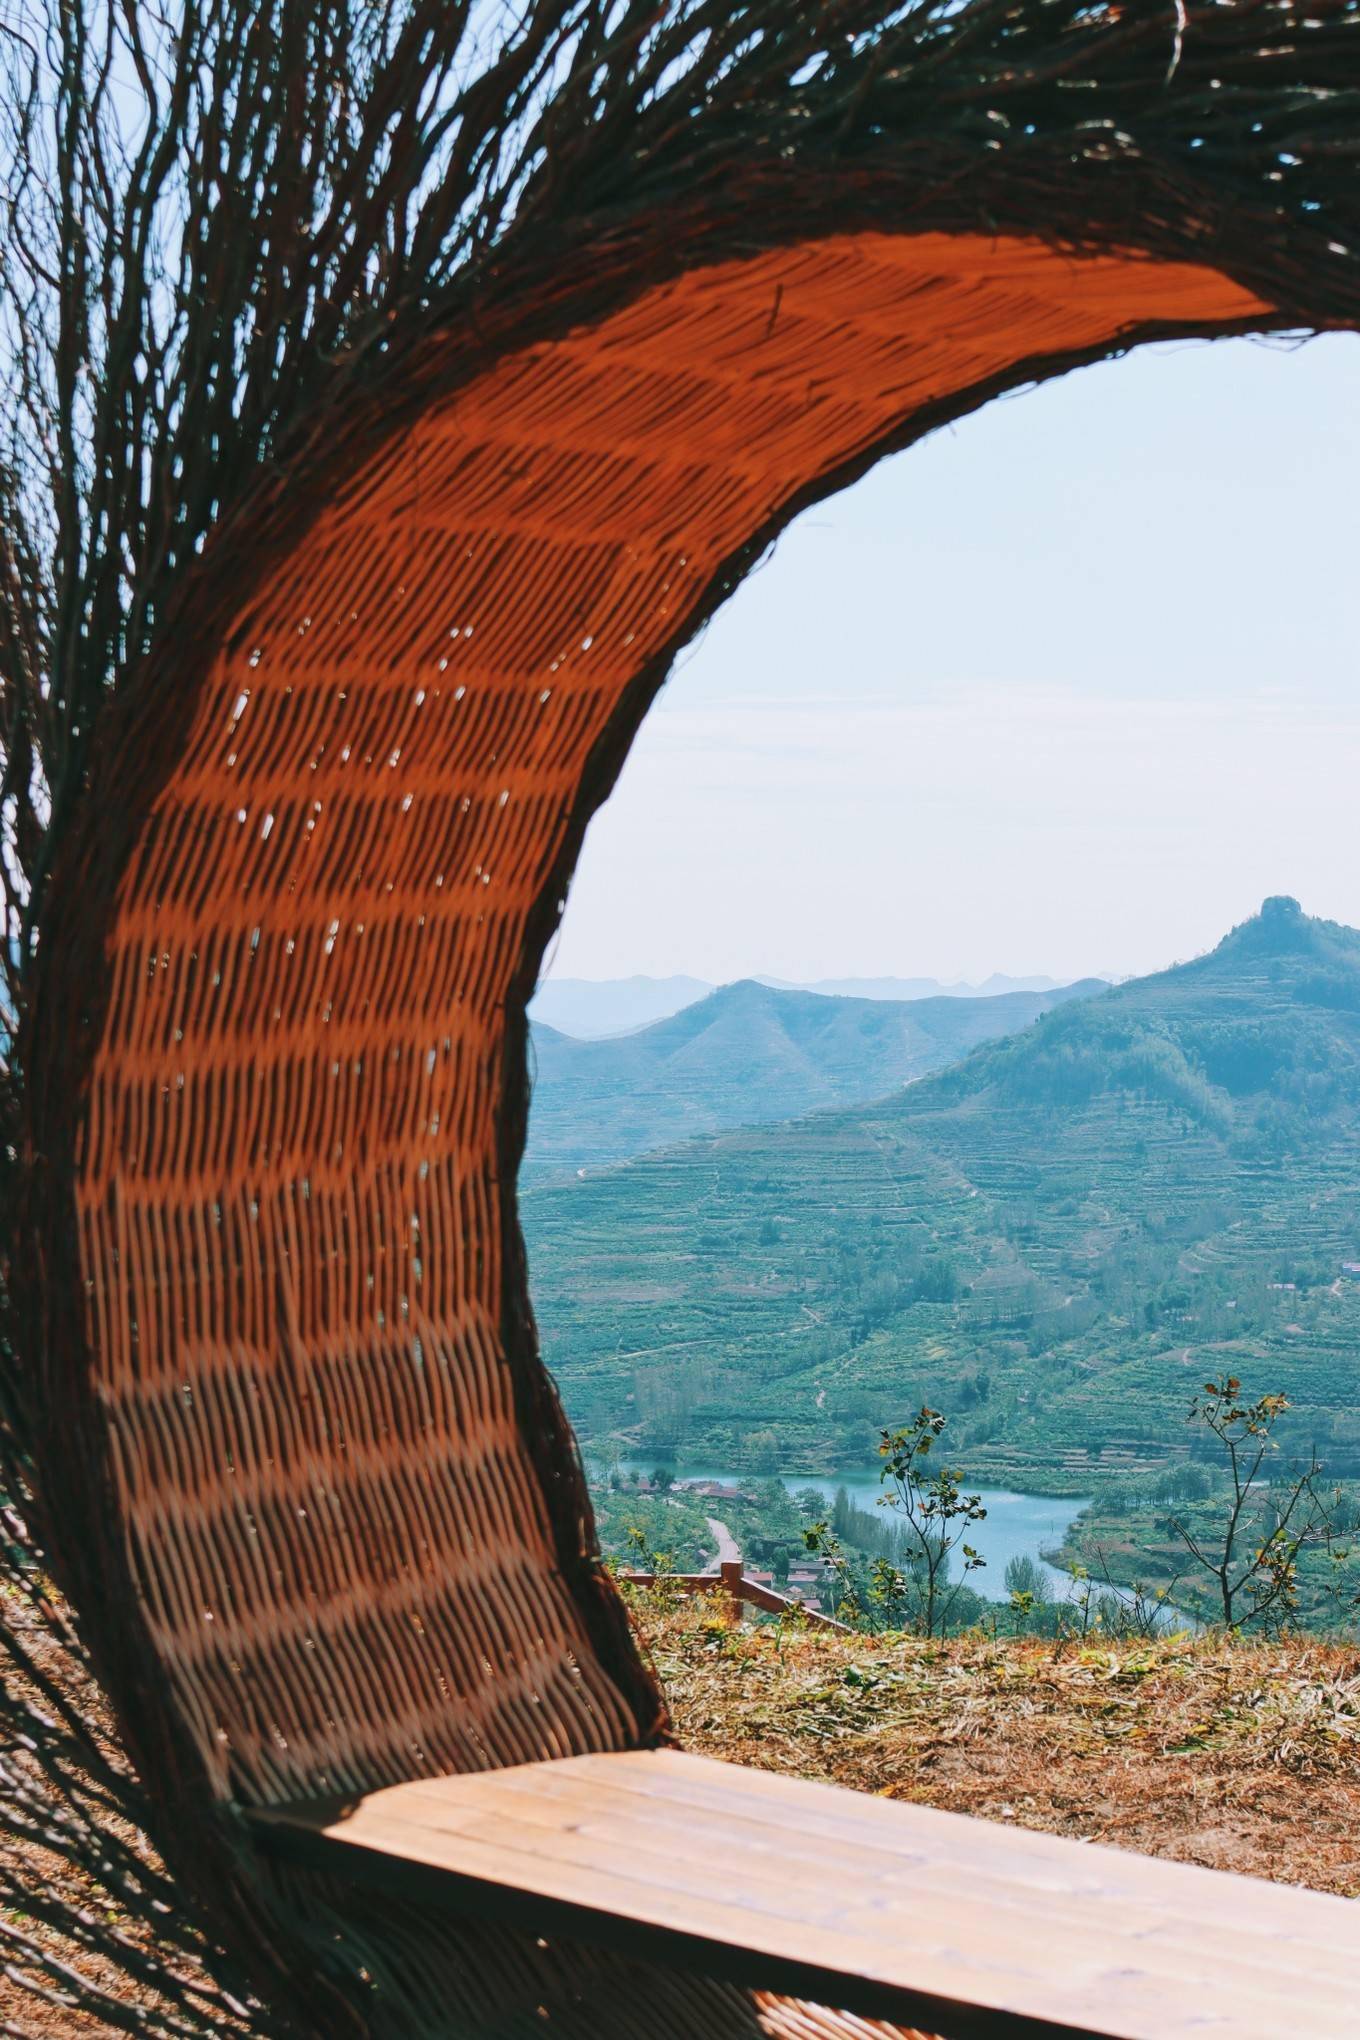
745	1055
1055	1241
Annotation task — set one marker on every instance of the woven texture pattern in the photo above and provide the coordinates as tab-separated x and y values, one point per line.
315	1415
288	1195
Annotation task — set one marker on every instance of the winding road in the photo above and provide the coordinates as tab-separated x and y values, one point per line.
729	1552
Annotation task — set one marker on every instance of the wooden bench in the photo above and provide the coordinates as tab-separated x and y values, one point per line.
868	1905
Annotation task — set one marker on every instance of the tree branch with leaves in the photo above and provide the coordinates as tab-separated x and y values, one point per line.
1251	1554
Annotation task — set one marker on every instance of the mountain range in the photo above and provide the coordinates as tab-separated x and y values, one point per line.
995	986
1054	1240
744	1055
595	1008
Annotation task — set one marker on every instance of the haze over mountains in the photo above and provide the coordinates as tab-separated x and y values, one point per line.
594	1008
744	1055
995	986
1054	1239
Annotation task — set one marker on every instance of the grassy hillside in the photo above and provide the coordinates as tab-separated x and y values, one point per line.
747	1054
1055	1240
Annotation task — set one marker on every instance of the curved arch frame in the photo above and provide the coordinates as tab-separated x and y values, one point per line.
601	279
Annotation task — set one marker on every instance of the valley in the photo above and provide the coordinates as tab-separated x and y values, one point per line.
1054	1240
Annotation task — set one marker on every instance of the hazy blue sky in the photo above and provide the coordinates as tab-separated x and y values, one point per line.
1068	688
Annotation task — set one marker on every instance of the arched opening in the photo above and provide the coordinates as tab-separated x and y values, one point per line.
350	830
1254	771
1147	555
349	529
288	1305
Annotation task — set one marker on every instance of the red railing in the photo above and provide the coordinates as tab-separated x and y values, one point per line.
731	1580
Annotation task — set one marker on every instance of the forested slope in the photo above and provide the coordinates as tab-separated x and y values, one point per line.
1054	1240
746	1054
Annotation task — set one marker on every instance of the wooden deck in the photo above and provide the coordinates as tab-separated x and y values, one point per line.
865	1904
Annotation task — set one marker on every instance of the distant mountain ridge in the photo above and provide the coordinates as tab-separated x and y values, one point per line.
746	1054
995	986
1055	1239
593	1009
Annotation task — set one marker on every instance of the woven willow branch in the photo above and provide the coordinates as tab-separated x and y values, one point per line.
230	225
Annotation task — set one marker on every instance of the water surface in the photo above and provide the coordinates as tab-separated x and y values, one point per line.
1016	1525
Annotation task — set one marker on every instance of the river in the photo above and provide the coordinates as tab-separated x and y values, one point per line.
1016	1525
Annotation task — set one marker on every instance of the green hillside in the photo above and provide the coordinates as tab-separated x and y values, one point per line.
1055	1240
747	1054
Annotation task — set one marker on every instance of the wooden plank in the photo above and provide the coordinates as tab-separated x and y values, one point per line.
770	1861
877	1907
922	1835
843	1833
1010	1929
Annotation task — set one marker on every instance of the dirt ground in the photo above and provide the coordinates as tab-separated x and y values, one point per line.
78	1956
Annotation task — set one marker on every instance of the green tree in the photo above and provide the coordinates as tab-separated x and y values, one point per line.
847	1595
760	1449
1026	1582
1252	1554
1186	1482
934	1509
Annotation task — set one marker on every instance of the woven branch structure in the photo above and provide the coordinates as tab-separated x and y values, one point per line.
299	1468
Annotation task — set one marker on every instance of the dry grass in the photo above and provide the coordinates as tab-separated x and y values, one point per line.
1241	1757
